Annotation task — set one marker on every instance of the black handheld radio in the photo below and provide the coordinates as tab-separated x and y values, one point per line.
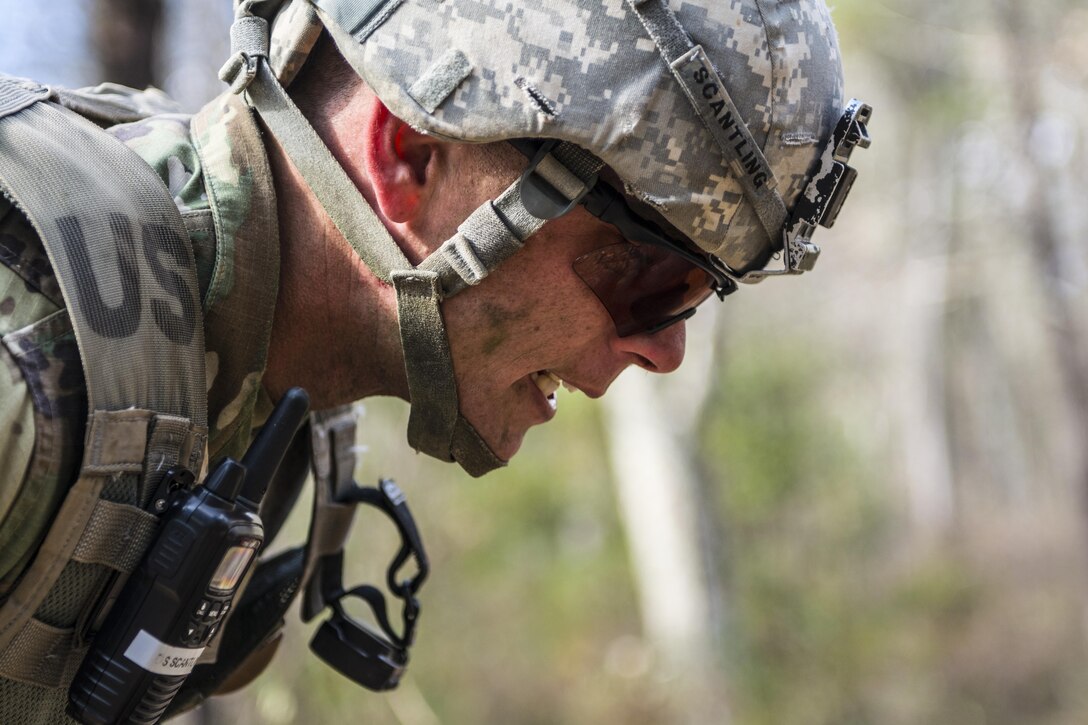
186	584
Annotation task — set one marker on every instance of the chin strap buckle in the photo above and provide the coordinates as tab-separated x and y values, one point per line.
549	188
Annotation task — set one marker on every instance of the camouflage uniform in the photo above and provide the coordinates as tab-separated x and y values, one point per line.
214	164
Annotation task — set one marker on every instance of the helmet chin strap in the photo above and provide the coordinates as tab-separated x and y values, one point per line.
491	234
435	425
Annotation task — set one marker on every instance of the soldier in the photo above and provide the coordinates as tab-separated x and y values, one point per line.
463	204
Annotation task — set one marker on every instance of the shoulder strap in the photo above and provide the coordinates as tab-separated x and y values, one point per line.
142	344
125	266
109	104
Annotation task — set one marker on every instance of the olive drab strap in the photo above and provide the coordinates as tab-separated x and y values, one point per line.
123	260
125	266
332	440
247	70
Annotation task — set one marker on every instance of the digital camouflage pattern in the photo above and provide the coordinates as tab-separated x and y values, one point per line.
295	31
587	71
215	168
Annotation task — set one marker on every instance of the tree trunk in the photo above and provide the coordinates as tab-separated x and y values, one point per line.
1020	37
126	35
650	423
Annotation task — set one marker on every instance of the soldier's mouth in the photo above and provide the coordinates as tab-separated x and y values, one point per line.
549	383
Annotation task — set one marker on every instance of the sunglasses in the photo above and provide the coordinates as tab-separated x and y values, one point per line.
649	281
646	283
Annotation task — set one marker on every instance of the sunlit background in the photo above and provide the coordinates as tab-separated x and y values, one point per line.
861	500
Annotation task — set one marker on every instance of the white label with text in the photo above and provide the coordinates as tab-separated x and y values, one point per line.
161	658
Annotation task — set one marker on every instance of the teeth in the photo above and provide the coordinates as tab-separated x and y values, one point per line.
547	382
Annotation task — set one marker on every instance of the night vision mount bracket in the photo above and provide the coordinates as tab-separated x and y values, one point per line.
823	197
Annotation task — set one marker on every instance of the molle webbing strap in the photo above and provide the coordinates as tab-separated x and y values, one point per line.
125	266
116	536
89	530
102	543
121	254
710	98
337	194
42	656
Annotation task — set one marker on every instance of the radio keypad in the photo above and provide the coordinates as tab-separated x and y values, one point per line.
193	634
205	622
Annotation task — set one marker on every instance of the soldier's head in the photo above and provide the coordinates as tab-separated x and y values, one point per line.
562	183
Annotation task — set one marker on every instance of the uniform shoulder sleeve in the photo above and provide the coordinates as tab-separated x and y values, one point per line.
17	424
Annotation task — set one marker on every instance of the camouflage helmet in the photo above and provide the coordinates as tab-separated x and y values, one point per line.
724	122
592	72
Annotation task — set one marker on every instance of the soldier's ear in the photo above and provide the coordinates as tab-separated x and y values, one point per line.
401	163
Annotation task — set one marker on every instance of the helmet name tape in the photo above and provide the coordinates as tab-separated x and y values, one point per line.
716	103
707	93
827	189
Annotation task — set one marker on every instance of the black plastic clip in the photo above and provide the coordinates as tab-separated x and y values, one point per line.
350	647
540	197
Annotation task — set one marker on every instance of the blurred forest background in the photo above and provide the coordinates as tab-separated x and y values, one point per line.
862	499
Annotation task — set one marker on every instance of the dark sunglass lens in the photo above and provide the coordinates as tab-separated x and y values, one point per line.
643	287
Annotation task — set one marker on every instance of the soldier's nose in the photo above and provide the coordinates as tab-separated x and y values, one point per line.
658	352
